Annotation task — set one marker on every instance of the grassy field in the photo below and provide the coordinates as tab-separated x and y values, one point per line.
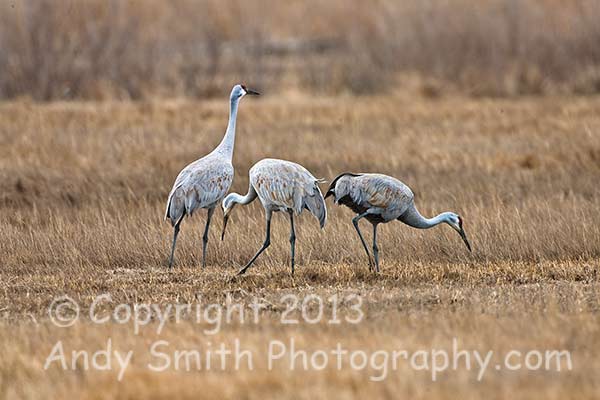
82	194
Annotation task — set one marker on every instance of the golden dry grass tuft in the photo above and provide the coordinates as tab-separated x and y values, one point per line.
82	193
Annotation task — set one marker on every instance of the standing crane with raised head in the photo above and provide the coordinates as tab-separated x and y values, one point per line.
204	182
381	199
281	186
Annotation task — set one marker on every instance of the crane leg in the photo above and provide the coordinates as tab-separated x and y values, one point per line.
375	248
362	240
292	239
175	233
205	236
264	246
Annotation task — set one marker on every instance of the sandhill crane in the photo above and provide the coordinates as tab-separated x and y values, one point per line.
281	186
381	199
204	182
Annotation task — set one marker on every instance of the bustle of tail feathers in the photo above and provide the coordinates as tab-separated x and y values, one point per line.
167	216
173	219
316	205
331	189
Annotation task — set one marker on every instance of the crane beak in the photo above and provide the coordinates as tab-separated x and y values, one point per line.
463	235
252	92
225	219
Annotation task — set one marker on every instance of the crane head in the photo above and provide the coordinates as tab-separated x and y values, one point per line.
227	205
240	91
456	222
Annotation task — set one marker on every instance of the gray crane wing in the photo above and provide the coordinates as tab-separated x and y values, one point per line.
201	184
379	193
286	185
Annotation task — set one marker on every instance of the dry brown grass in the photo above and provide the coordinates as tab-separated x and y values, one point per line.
82	192
106	49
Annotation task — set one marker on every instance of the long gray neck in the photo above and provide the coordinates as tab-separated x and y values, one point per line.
413	217
243	200
226	145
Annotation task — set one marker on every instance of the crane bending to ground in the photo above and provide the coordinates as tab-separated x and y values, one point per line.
281	186
204	182
381	199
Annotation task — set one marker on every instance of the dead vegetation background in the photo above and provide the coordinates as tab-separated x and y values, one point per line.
102	49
